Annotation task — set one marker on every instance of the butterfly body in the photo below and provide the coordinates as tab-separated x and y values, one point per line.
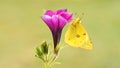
77	36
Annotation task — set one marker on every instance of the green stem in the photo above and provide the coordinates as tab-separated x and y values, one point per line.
47	65
46	62
53	60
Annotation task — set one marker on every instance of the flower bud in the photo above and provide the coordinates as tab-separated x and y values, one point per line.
39	54
44	48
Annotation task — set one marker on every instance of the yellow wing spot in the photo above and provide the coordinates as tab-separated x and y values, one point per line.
68	38
78	36
84	33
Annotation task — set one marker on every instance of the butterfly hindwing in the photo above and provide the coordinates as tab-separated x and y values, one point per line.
77	36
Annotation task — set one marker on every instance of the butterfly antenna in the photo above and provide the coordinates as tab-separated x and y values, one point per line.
44	10
76	15
82	15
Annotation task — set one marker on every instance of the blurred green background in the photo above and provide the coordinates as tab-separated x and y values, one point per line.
21	30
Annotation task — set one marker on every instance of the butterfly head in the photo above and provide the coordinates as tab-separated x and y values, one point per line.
76	22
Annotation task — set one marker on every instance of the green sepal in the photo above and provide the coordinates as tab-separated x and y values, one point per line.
57	49
57	63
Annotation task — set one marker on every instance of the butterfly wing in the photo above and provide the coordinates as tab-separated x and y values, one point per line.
77	36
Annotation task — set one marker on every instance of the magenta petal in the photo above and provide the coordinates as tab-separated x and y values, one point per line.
48	20
55	21
60	11
62	22
67	16
49	12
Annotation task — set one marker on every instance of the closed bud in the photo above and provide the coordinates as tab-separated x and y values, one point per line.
44	48
39	54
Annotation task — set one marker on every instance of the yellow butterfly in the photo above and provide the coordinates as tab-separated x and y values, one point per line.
77	36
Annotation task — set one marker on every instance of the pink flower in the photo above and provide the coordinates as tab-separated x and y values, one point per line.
56	20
